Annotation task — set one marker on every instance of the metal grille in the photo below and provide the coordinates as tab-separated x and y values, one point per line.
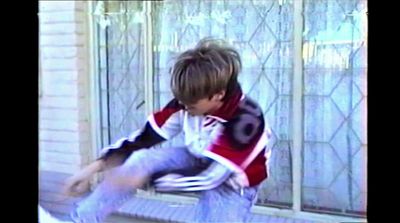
121	68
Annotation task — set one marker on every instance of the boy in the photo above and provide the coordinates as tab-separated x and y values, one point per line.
225	144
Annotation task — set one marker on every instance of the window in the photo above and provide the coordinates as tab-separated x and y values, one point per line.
136	44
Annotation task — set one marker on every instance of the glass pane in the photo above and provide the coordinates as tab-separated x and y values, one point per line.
335	98
262	33
121	68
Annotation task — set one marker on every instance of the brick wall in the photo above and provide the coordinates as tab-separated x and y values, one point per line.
64	114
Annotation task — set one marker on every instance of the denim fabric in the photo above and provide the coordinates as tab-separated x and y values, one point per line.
222	204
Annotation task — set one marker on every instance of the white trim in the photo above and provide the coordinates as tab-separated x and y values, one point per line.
148	58
94	84
297	105
230	165
217	118
187	185
186	188
239	173
131	138
262	142
214	176
268	154
156	128
115	145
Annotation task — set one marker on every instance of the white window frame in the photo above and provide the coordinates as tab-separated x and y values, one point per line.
95	116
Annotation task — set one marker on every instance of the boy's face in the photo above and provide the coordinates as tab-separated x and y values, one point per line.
206	105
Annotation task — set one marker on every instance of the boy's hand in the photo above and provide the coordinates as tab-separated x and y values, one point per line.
79	183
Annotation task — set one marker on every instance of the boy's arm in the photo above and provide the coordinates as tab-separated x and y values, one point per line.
118	152
159	127
111	156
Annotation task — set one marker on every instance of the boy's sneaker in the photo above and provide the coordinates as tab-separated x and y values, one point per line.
45	217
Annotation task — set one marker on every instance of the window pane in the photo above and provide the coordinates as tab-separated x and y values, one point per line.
121	68
335	97
262	32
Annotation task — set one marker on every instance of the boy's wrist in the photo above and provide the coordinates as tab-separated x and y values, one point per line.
99	165
94	167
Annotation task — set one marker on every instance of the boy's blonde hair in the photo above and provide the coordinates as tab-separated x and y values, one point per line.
201	72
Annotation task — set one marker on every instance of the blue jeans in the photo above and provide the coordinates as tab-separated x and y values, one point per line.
221	204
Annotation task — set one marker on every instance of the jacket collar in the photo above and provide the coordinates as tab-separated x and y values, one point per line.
227	110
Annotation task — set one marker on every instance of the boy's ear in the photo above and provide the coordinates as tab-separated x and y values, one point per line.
219	96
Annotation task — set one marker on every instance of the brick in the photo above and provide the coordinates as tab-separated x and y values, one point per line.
61	52
46	176
65	89
58	102
66	125
62	64
59	125
62	40
59	6
62	136
63	147
57	17
62	28
63	116
75	77
59	114
60	89
66	77
74	116
65	157
59	167
56	157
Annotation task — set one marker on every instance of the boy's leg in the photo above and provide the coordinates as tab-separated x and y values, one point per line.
224	204
108	197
